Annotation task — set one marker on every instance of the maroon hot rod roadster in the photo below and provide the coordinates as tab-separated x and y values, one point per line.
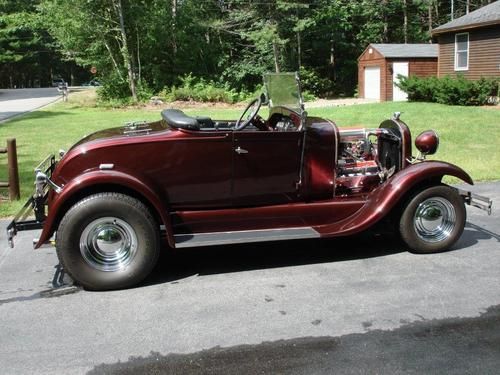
119	195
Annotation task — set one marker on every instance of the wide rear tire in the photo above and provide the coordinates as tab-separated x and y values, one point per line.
108	241
433	220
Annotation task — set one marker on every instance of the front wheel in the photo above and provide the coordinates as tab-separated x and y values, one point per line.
108	241
433	220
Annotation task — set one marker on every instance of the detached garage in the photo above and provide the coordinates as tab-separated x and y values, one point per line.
380	64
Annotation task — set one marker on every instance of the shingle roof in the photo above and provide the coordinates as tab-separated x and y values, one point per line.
407	50
487	15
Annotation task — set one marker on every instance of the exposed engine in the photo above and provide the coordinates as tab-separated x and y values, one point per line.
359	166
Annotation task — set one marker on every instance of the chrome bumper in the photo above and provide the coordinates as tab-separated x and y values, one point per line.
476	200
35	205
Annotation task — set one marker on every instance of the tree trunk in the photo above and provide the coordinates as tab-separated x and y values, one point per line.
332	52
174	26
127	58
386	27
299	51
429	15
139	66
276	56
332	69
405	21
115	64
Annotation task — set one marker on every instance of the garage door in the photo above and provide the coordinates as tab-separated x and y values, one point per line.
372	82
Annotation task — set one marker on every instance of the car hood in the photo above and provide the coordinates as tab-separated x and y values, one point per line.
132	130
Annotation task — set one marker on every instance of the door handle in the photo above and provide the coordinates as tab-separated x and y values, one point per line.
240	150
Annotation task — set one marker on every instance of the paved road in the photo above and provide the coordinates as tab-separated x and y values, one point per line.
357	305
17	101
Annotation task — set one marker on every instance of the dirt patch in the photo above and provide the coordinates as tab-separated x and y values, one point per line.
318	103
322	103
179	104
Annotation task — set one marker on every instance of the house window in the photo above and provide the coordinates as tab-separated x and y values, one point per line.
462	51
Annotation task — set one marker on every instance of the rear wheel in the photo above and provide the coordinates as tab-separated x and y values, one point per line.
433	220
108	241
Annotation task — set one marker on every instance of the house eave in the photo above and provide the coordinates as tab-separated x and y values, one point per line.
402	56
438	31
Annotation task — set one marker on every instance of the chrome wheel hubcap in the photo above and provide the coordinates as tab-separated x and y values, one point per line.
108	244
434	219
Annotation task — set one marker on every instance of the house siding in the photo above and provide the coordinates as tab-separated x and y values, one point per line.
484	53
424	67
421	67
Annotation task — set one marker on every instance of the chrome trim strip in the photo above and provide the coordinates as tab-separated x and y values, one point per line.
11	233
247	236
106	166
45	164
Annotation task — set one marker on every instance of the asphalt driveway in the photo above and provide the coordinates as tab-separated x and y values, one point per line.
17	101
354	305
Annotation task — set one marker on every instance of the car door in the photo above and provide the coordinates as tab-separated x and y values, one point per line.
265	167
196	170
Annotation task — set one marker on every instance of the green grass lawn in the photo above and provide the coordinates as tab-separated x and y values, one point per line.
469	136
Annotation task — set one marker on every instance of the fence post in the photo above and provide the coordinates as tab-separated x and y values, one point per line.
14	192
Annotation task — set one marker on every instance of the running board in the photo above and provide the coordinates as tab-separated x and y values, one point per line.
246	236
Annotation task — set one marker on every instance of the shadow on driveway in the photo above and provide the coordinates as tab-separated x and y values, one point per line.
176	265
445	346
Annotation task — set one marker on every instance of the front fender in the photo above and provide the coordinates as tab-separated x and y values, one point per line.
103	177
383	199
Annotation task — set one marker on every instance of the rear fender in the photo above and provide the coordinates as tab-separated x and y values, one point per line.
141	186
383	199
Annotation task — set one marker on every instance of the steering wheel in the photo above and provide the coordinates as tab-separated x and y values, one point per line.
253	107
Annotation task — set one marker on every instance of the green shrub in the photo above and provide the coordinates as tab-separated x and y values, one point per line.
113	87
115	92
419	89
144	92
308	96
448	90
198	89
312	83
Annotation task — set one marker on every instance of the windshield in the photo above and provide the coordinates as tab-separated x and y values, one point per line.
283	89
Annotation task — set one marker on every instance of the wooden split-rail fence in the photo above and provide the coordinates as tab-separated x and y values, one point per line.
13	183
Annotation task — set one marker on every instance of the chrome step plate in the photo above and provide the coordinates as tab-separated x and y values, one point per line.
237	237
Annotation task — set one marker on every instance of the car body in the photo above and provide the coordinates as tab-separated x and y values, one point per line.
119	195
58	82
93	82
